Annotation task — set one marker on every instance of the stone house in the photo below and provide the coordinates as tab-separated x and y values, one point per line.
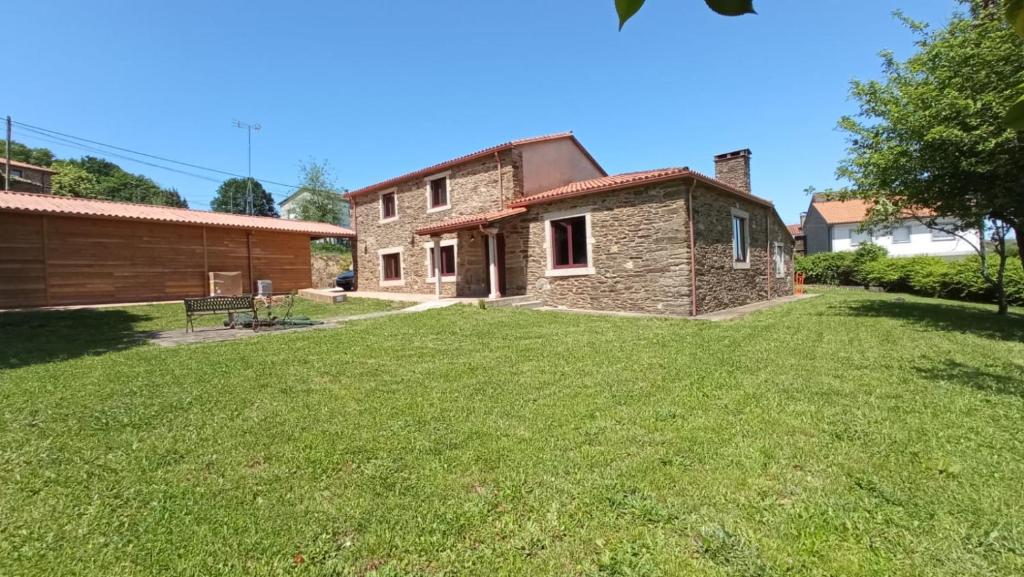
26	177
541	219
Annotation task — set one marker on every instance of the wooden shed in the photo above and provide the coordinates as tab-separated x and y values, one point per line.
58	250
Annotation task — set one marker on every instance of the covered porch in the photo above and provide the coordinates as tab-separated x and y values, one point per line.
480	265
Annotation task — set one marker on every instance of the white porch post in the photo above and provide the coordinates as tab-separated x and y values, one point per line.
437	266
492	257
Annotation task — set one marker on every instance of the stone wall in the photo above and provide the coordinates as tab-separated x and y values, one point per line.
719	284
326	267
640	252
472	188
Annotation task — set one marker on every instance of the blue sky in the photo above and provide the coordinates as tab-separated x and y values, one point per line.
380	88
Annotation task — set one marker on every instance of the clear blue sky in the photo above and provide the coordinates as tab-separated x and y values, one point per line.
380	88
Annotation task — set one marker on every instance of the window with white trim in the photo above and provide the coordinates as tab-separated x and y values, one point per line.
437	194
391	267
569	244
388	206
858	237
740	239
901	234
449	260
780	260
943	234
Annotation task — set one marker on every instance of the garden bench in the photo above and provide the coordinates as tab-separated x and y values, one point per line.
220	305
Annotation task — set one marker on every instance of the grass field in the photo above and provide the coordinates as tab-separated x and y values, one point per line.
850	434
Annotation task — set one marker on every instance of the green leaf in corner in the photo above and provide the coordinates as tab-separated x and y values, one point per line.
626	10
1015	15
738	7
1015	115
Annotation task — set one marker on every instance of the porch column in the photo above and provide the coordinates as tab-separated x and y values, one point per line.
492	257
437	266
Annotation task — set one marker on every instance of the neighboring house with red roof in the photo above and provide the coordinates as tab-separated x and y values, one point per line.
26	177
799	238
835	226
541	219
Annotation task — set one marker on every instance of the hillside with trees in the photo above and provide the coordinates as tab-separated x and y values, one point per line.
92	177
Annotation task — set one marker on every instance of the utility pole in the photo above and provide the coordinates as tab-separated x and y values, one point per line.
7	169
248	181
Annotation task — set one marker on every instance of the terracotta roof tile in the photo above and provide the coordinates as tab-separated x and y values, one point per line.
468	157
463	222
795	229
88	207
3	163
629	180
855	210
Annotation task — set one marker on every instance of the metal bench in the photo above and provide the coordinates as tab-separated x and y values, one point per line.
220	305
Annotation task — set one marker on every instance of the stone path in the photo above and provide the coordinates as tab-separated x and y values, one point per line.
216	334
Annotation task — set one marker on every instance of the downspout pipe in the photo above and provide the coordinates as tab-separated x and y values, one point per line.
501	181
693	249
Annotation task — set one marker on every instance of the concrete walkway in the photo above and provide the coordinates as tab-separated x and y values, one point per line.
738	312
722	315
217	334
407	297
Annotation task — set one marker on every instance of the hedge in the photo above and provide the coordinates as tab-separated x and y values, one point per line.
922	275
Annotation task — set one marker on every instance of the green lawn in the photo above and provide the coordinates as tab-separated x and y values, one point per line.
850	434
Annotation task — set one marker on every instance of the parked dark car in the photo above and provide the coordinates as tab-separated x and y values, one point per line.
346	280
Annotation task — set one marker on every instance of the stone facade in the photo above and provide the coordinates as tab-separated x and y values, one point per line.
733	168
721	284
639	253
473	188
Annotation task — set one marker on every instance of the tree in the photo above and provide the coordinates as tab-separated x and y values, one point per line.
114	183
931	136
627	8
72	180
320	198
23	153
231	196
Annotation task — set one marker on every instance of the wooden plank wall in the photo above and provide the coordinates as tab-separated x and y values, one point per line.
57	260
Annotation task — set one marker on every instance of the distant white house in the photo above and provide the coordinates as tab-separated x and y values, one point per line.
833	226
290	207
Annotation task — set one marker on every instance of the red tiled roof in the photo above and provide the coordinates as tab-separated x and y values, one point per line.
472	156
463	222
795	229
856	210
3	163
629	180
88	207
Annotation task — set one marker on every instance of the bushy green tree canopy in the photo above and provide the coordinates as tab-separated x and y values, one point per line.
231	197
931	133
320	198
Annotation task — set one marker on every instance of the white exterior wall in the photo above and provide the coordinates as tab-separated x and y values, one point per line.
921	241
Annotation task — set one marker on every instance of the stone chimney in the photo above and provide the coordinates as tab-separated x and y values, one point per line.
733	168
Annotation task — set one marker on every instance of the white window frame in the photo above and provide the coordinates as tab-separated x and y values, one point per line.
401	266
429	248
942	236
550	270
448	189
868	237
733	213
910	234
779	260
380	205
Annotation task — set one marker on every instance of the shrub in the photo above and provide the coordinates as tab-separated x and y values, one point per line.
832	268
934	277
864	255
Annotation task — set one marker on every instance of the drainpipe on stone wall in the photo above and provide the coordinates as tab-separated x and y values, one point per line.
501	181
768	227
693	255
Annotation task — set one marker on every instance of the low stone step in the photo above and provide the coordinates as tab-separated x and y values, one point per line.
509	301
528	305
325	296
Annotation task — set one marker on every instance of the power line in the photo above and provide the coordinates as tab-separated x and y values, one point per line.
47	131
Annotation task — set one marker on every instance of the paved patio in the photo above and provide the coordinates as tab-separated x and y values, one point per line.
216	334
